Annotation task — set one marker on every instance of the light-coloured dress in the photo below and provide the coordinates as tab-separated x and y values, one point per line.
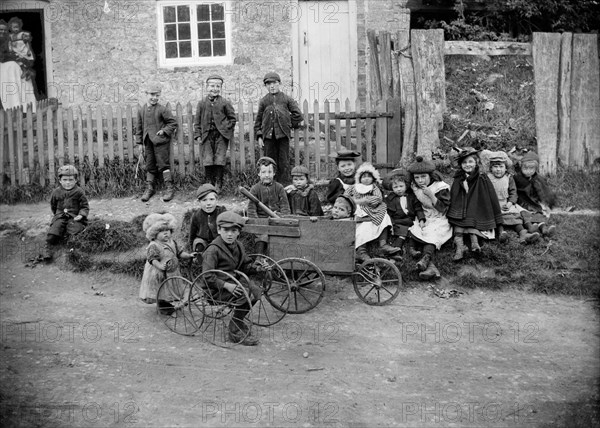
164	252
437	230
369	203
503	187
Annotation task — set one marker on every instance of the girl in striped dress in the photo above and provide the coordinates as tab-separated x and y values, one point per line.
371	212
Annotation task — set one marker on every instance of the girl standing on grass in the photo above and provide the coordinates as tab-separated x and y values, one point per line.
474	208
434	230
162	254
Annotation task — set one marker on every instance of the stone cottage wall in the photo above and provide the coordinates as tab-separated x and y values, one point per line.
106	57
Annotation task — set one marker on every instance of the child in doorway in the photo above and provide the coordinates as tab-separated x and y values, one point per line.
346	165
270	193
534	195
203	227
162	256
227	254
506	191
474	208
213	126
371	212
402	206
69	207
153	131
20	46
434	194
302	196
277	115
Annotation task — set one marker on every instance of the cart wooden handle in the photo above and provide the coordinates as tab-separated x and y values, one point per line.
262	206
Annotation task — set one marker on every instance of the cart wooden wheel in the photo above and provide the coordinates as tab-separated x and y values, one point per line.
221	314
307	283
172	305
275	300
377	282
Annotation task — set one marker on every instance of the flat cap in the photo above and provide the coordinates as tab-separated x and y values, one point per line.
230	219
421	166
215	77
265	160
530	156
345	155
153	88
300	170
204	190
271	77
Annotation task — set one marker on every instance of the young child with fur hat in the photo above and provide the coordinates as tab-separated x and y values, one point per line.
227	254
534	195
402	205
162	255
474	208
506	191
302	196
203	227
270	193
434	194
371	212
345	161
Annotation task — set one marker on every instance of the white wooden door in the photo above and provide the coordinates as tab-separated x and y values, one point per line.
325	64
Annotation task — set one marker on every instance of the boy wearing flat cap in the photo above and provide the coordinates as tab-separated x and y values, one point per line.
153	131
277	115
203	227
213	127
226	254
346	165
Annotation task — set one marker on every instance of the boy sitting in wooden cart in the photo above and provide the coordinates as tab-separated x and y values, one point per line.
225	253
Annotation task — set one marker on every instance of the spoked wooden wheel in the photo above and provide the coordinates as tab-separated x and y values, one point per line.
275	299
226	321
377	282
307	283
172	305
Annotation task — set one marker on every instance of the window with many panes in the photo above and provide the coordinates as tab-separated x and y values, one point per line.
193	33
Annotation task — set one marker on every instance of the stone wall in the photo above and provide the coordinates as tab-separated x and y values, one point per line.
106	57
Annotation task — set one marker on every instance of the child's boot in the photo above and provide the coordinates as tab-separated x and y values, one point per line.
431	272
502	235
170	191
475	243
528	238
149	187
386	248
531	228
461	248
362	255
46	252
546	230
423	264
411	250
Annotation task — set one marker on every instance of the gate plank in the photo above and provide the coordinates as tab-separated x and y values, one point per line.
251	136
11	145
428	58
317	134
394	131
306	136
381	135
407	87
19	147
385	64
80	149
564	101
374	73
585	102
39	122
90	142
241	136
326	129
129	129
180	148
70	136
2	153
30	145
60	136
119	125
109	133
190	126
50	132
546	58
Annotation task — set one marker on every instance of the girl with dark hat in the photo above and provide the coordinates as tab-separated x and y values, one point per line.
434	195
474	208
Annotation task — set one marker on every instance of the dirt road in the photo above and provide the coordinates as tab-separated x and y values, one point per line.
82	350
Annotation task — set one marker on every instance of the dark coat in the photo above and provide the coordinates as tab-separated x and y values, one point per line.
163	120
305	202
223	116
335	189
70	203
204	225
532	191
273	196
479	208
398	215
226	258
276	111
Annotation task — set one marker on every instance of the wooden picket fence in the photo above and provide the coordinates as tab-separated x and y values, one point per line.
34	145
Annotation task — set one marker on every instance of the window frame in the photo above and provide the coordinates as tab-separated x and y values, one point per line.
195	60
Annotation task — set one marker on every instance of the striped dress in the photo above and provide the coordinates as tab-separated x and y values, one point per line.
369	203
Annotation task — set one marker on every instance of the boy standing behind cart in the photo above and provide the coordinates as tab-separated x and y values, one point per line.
277	115
214	124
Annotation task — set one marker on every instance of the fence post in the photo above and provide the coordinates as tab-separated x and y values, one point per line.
546	58
30	146
369	130
80	148
129	127
39	122
60	136
180	147
90	142
251	133
19	147
317	139
306	137
50	132
381	135
70	136
394	131
191	141
119	126
326	130
241	132
109	133
407	87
